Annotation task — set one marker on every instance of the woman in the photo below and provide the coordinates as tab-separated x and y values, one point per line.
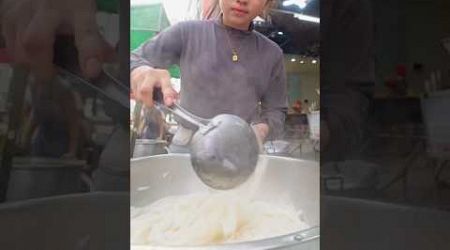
226	67
297	107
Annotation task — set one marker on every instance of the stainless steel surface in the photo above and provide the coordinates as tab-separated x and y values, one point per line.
146	147
285	179
281	148
32	177
187	116
79	221
224	150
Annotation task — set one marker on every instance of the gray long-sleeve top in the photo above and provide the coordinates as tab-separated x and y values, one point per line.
211	83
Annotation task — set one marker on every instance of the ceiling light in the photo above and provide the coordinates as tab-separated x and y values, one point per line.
314	61
293	60
307	18
302	62
280	33
300	3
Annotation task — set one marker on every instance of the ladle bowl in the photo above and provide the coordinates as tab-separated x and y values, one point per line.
224	150
224	153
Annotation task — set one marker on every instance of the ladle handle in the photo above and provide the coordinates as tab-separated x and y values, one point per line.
177	110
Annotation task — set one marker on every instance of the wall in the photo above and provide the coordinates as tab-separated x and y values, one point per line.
303	79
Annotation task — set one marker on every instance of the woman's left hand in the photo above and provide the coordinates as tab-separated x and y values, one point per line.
261	130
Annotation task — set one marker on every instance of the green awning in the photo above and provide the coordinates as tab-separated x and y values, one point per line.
145	22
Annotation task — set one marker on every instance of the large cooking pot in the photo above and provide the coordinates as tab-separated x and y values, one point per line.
148	147
156	177
354	224
33	177
98	220
281	148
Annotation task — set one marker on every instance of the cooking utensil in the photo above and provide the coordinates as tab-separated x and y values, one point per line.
33	177
148	147
281	148
224	150
285	181
114	94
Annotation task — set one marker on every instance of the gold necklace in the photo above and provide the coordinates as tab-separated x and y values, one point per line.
235	56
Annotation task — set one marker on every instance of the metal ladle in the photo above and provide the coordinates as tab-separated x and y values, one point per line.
224	150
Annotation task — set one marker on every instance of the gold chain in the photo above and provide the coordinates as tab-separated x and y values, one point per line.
234	51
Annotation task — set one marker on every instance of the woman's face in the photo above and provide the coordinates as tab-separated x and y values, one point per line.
239	13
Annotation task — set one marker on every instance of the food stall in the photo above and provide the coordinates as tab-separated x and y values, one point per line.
276	208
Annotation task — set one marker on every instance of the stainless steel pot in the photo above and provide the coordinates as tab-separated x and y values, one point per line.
33	177
97	220
147	147
156	177
280	148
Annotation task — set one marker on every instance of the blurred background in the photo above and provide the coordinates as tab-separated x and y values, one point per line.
52	135
403	155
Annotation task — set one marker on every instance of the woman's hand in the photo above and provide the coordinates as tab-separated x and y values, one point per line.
29	29
143	81
261	130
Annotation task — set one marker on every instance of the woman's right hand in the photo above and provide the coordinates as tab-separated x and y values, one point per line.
145	78
29	29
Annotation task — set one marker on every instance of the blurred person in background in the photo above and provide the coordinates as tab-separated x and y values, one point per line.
297	106
29	29
396	82
226	67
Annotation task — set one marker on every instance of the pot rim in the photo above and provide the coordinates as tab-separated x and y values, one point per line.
46	163
150	141
188	155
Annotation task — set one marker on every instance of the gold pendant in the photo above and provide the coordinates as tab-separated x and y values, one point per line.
235	57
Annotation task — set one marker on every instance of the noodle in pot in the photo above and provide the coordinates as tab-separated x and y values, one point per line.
214	218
